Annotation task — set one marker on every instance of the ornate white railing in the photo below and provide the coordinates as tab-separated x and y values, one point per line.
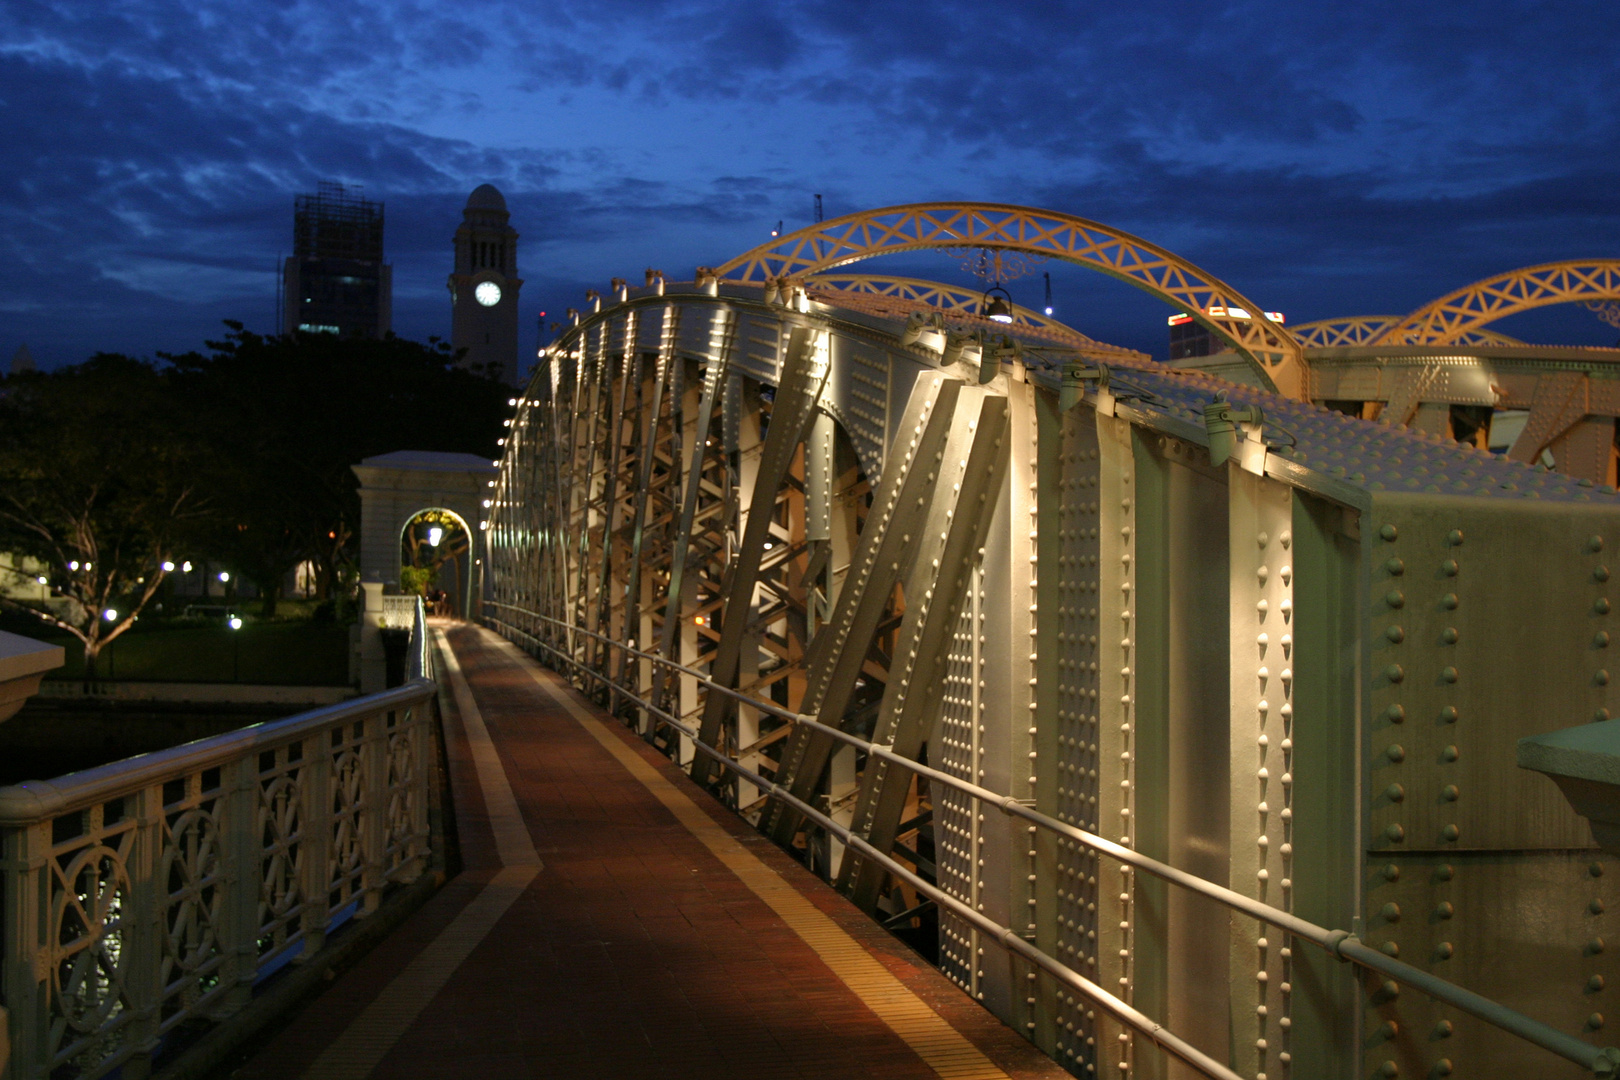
156	892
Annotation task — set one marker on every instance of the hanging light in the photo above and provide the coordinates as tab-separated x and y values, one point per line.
996	308
435	534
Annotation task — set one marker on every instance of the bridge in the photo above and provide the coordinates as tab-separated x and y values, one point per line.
1176	712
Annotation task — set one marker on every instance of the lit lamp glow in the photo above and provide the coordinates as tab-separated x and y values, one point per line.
435	534
236	622
111	614
997	308
223	576
168	567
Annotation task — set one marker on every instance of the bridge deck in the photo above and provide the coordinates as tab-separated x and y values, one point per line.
613	920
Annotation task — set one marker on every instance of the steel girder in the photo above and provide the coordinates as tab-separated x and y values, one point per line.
1297	671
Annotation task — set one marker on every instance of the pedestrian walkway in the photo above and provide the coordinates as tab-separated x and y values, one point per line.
613	920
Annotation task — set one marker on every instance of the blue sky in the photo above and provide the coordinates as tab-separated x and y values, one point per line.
1326	161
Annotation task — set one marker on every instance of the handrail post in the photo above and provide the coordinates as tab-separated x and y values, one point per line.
142	925
242	840
373	822
24	977
315	827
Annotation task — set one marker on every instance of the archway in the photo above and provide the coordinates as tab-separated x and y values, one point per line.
1366	329
1445	321
1275	354
435	548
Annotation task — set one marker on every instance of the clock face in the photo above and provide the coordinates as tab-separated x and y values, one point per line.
487	293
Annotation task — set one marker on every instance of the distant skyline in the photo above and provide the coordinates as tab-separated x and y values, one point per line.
1325	162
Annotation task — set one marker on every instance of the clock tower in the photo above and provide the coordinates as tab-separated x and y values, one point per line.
484	285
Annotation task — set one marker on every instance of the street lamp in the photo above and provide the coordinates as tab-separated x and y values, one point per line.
435	534
235	623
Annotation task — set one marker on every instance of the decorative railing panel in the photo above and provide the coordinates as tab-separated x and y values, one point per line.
153	894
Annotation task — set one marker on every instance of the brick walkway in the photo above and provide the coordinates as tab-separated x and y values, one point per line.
661	937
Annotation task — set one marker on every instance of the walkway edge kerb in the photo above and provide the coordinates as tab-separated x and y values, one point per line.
234	1038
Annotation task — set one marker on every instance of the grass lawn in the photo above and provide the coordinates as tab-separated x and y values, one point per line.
293	653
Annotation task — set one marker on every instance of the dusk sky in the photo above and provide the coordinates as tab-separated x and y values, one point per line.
1325	160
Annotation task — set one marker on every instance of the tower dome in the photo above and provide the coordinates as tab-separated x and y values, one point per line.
486	197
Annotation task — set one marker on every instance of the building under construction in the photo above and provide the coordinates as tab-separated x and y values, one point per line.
336	282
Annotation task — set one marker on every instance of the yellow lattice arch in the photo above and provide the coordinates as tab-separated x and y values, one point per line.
1446	320
1364	329
828	245
898	296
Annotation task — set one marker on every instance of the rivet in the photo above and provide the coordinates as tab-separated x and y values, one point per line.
1392	872
1449	568
1444	951
1388	532
1395	598
1600	640
1454	538
1596	869
1391	912
1445	872
1449	714
1444	910
1448	674
1449	601
1395	833
1396	752
1601	573
1601	605
1395	634
1389	948
1395	567
1602	677
1395	673
1450	753
1449	793
1389	1068
1596	906
1443	1029
1595	544
1443	1067
1388	1029
1449	832
1595	983
1595	1021
1595	946
1395	713
1600	716
1394	793
1449	635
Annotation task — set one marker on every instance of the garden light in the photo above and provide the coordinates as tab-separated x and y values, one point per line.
111	614
168	567
186	566
42	581
223	576
435	534
236	622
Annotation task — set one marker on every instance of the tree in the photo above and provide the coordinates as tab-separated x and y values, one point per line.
97	478
287	416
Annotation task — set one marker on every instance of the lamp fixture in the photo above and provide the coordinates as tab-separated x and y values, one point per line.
996	308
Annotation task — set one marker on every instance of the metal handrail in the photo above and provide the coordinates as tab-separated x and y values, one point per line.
33	801
1602	1062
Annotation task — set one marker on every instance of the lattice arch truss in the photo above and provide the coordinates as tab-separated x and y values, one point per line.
836	243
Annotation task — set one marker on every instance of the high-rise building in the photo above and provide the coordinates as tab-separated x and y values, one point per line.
336	282
484	285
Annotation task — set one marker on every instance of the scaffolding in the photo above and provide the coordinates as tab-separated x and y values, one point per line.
337	222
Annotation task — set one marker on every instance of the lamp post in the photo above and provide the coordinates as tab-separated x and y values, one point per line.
235	623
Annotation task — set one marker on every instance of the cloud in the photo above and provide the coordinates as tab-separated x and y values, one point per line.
1330	157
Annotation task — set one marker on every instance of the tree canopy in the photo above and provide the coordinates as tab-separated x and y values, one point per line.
240	453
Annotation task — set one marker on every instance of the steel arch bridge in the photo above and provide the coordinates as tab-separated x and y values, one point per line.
1148	699
839	242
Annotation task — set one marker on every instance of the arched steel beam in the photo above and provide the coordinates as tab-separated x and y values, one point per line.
1273	351
1446	320
900	296
1363	329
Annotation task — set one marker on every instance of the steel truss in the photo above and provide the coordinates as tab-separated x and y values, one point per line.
826	246
868	582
